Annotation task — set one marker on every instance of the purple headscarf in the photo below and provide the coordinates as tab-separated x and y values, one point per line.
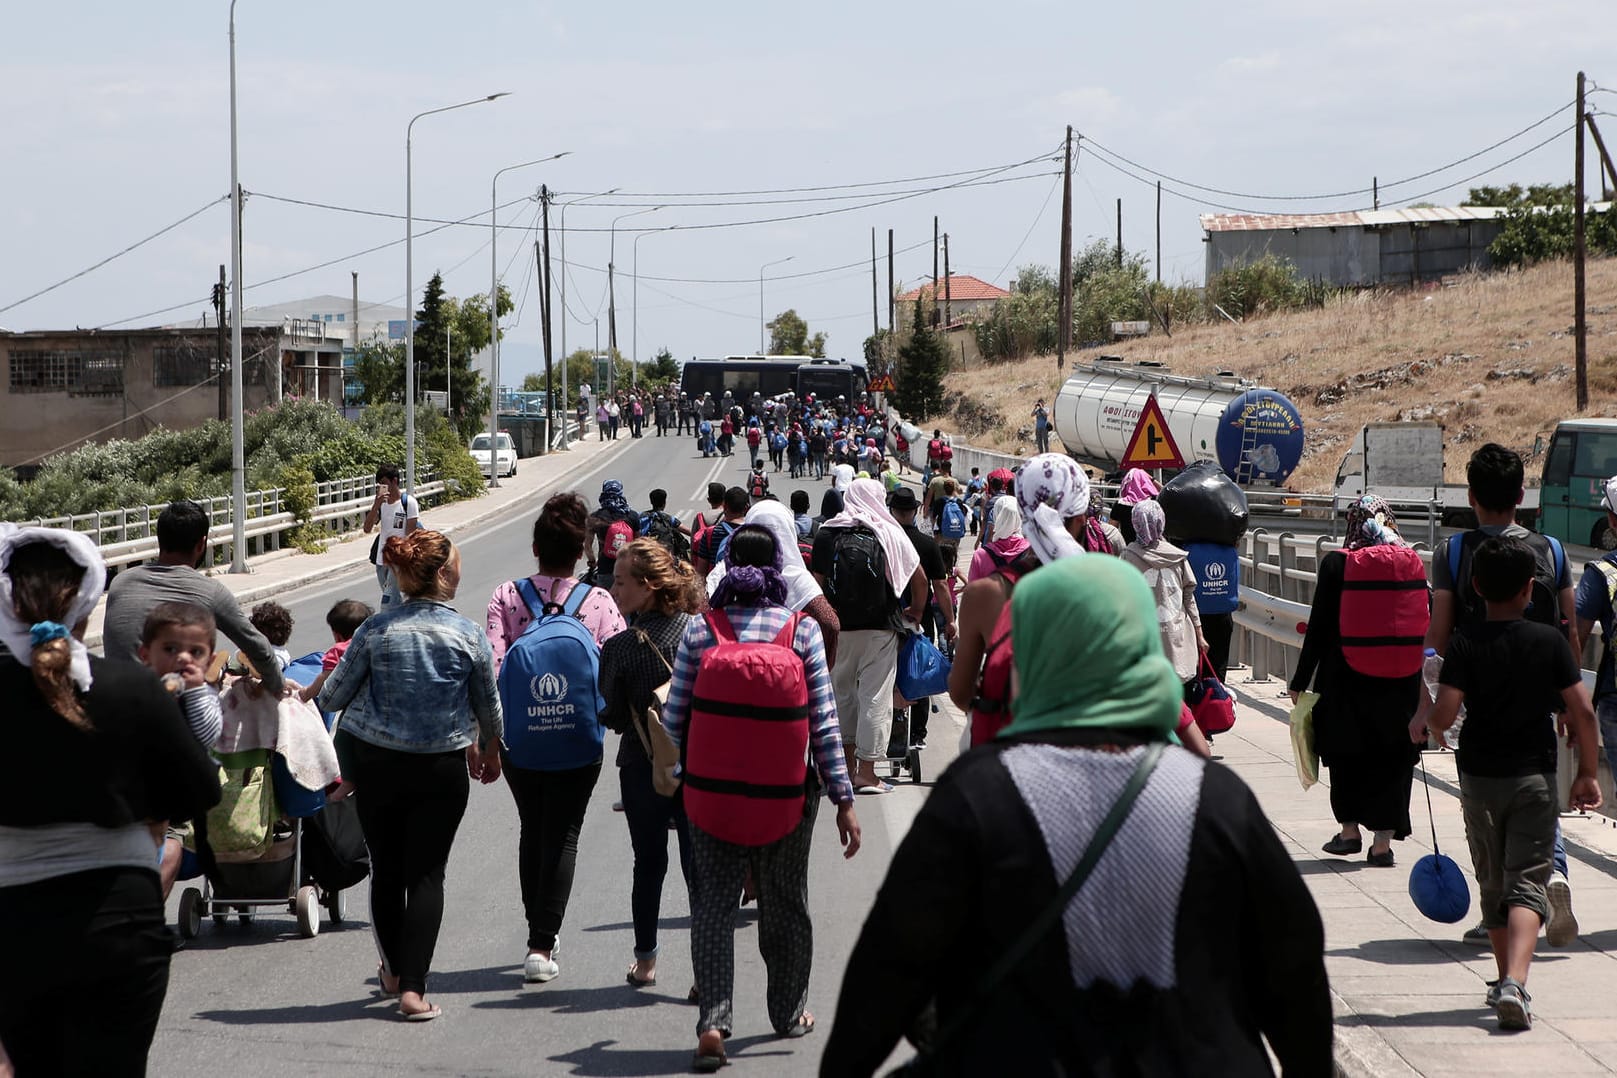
752	585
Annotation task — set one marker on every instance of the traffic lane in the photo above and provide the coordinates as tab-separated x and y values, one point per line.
311	1002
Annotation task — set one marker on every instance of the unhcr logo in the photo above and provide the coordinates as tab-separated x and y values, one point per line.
548	688
1215	570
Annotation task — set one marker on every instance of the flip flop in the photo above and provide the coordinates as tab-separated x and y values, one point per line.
383	992
878	788
637	982
421	1016
802	1027
708	1059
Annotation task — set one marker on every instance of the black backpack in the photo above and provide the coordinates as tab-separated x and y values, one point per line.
665	529
857	584
1470	609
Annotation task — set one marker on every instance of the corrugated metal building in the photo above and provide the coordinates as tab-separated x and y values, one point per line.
1363	248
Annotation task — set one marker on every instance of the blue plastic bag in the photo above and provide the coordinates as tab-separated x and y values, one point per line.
922	669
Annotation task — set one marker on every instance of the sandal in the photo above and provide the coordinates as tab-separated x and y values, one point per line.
638	982
709	1055
381	988
800	1028
427	1015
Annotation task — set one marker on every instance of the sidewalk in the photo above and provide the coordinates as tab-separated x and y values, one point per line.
1408	995
276	573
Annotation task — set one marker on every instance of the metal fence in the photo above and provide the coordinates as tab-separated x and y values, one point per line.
127	536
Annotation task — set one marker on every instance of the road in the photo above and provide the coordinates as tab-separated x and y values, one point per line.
258	1000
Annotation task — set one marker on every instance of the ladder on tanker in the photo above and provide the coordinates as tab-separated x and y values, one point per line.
1249	444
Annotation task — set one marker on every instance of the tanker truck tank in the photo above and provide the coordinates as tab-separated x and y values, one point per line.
1252	432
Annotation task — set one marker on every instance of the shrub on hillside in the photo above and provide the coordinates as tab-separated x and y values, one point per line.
1268	284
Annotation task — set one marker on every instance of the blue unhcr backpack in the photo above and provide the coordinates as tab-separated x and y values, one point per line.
550	687
952	521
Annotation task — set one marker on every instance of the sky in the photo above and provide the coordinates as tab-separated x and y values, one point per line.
116	126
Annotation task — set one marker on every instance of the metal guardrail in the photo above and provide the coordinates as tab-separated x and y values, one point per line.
127	536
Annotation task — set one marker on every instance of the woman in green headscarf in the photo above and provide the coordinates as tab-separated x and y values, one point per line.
1158	964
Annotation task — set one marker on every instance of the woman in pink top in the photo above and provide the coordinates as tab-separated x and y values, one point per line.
550	803
508	615
1007	544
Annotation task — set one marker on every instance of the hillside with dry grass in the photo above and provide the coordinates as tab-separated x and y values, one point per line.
1490	357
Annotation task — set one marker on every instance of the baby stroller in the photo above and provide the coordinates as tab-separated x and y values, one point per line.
272	842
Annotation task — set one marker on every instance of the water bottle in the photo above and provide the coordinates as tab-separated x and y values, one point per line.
1431	669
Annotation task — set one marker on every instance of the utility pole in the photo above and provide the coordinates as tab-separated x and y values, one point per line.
1375	192
891	302
1580	326
219	354
1064	304
1120	233
1159	232
1607	170
544	310
611	317
354	317
875	311
948	315
934	270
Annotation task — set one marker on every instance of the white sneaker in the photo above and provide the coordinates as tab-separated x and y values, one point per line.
1562	927
538	969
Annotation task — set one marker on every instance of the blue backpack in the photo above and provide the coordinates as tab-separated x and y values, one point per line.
550	687
952	522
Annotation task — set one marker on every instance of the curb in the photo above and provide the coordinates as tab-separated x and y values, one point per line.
1358	1052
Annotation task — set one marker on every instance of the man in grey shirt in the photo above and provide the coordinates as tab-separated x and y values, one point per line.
182	535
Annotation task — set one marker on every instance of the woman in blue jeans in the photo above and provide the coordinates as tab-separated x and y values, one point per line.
657	593
421	717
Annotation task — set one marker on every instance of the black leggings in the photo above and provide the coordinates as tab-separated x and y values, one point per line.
550	805
410	806
101	929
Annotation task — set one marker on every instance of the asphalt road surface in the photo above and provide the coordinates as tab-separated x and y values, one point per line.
259	1000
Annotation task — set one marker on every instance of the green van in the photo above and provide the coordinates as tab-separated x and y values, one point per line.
1582	456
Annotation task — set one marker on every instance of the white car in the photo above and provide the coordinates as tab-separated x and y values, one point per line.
505	454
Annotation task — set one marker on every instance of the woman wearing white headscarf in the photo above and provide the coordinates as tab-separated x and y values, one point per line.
803	592
1052	502
97	758
1167	572
1007	545
867	663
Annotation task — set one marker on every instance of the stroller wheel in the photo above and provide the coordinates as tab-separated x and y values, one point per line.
913	762
307	906
336	906
190	913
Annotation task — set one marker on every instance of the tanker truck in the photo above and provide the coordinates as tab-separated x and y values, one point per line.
1252	432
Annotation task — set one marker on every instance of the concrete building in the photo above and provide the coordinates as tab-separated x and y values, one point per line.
66	387
1360	249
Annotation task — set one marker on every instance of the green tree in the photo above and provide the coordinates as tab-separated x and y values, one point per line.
1106	289
379	371
789	336
923	360
1023	323
663	369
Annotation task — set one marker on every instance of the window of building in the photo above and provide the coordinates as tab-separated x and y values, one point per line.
342	318
65	371
181	365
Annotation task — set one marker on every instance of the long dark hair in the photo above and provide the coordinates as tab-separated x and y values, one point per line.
44	581
753	577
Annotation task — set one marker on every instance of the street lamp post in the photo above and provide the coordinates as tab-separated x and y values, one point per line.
564	353
634	302
238	455
612	308
763	348
494	307
409	291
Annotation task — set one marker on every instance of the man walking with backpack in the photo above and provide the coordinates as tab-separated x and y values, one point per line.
1494	480
659	525
872	576
709	541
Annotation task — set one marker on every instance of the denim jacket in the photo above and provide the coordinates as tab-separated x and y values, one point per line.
417	677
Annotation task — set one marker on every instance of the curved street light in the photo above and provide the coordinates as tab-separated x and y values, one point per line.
564	353
611	260
409	289
634	303
763	348
494	310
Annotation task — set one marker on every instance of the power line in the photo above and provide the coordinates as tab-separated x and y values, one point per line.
1491	168
138	243
799	190
1029	233
1094	145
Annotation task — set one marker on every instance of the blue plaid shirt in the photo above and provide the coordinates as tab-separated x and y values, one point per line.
763	623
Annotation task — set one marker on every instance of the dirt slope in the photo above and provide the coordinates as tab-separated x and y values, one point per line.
1490	357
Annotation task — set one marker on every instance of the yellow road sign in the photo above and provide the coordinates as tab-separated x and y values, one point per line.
1151	445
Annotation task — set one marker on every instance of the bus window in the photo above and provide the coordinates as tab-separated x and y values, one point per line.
774	381
1558	464
1595	455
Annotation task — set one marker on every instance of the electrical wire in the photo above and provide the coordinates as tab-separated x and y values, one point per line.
1094	145
1029	233
800	190
112	257
1491	168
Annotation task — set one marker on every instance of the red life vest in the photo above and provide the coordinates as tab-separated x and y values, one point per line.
746	760
991	709
1385	611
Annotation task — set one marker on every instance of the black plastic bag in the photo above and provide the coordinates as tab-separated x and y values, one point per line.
334	851
1203	504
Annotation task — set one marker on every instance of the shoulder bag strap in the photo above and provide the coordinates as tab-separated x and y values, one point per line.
575	599
530	596
1014	955
719	622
